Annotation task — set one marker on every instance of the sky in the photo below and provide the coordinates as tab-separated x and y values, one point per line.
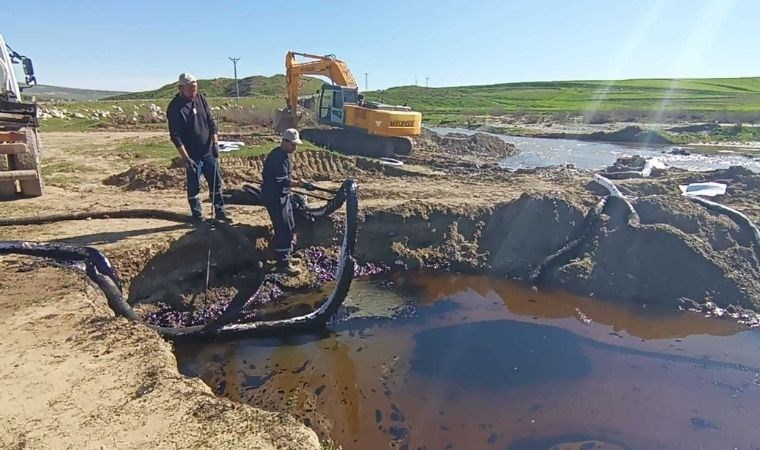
142	44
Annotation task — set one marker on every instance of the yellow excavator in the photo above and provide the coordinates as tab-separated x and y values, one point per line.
356	126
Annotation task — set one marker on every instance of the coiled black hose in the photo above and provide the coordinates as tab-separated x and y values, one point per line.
101	272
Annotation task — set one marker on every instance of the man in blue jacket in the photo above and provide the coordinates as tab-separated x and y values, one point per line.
193	131
275	193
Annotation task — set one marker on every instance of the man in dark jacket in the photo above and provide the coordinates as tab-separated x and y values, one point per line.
275	193
193	131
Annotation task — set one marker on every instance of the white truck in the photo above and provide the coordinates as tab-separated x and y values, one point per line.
20	148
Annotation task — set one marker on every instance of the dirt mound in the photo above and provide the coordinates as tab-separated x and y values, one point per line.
146	177
631	133
680	250
103	382
480	145
627	163
742	191
310	165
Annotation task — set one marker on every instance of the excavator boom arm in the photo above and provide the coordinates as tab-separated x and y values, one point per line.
328	66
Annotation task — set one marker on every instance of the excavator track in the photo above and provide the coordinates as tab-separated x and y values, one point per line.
351	142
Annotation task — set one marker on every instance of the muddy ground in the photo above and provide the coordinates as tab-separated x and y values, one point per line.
705	135
75	377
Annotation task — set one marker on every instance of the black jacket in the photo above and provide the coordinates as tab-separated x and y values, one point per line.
276	176
191	124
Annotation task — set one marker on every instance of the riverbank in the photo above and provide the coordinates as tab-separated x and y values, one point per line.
745	139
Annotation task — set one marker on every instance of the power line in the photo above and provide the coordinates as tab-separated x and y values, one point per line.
234	65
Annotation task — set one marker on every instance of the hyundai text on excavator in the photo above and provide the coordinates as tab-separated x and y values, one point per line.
357	127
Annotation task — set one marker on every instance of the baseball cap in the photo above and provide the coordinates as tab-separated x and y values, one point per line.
186	78
291	134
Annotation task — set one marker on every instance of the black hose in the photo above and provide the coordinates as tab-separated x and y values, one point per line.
571	249
316	188
328	191
309	194
739	218
122	214
101	272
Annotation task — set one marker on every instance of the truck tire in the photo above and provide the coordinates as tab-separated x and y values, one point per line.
7	188
31	160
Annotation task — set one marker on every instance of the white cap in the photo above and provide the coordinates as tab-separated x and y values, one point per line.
186	78
291	134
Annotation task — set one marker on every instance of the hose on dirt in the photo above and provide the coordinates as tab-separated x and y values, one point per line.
633	217
251	195
571	249
316	188
123	214
100	270
739	218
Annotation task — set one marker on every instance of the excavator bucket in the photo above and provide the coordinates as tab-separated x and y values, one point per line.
283	119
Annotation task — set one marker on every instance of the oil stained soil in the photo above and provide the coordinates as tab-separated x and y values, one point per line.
471	362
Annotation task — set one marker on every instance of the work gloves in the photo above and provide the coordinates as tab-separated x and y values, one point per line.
215	149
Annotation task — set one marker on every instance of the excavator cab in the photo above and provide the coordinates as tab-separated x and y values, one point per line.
332	100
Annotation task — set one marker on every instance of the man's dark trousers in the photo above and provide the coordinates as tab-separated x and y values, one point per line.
281	213
209	168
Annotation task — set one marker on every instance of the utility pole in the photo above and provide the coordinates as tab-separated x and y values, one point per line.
415	80
237	89
426	81
366	83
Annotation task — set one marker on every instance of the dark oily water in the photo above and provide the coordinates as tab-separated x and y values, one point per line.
480	363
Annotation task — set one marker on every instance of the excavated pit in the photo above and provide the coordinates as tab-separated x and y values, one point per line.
681	252
192	279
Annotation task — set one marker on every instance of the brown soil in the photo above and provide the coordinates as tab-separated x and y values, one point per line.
77	377
236	171
479	144
742	192
310	165
459	153
146	177
631	133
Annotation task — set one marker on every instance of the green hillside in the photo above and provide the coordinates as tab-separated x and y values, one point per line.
225	87
649	97
47	92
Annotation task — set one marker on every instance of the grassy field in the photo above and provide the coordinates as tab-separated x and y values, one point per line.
730	99
47	92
